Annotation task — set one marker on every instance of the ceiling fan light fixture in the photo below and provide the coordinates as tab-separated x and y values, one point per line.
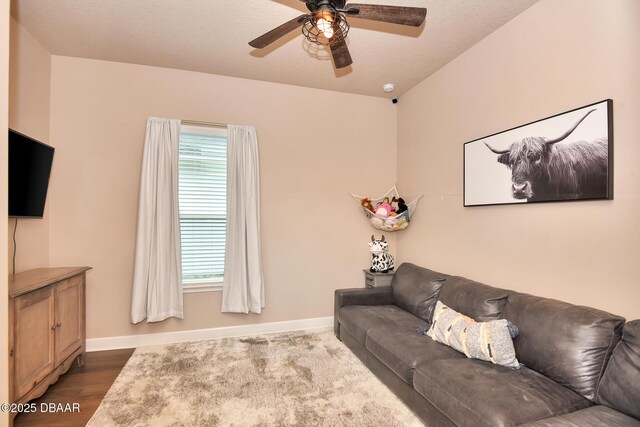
325	27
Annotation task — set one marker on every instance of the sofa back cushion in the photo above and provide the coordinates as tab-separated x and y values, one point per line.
415	289
619	387
568	343
481	302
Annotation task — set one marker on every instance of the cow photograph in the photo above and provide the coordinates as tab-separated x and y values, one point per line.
564	157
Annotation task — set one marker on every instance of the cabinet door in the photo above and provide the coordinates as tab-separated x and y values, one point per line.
69	317
33	339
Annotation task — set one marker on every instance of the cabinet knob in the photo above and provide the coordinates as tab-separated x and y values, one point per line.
56	326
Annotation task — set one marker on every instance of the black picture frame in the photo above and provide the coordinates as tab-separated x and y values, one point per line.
564	157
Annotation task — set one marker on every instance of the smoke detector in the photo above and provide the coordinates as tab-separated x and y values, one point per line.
388	87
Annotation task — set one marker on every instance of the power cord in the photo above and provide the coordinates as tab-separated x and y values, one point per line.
15	247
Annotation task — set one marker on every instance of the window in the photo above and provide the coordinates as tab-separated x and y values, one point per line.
203	206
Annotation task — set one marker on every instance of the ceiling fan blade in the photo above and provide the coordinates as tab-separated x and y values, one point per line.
269	37
340	53
413	16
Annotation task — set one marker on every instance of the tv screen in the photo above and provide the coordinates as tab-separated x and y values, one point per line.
29	169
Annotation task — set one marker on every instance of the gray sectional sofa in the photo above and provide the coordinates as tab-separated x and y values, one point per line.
581	365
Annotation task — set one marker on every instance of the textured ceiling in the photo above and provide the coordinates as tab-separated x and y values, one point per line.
211	36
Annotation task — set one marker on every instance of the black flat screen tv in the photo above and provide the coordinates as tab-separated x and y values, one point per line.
29	170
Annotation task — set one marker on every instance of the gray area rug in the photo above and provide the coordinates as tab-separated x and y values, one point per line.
290	379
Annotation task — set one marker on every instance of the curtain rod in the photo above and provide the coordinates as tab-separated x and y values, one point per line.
200	123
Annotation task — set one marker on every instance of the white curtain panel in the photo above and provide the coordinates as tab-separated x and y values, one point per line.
243	287
157	278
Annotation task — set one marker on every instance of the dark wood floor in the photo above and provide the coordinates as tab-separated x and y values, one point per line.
85	385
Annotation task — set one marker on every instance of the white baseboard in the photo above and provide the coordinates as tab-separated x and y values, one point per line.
132	341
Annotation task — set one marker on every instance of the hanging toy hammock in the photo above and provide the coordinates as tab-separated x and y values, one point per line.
387	223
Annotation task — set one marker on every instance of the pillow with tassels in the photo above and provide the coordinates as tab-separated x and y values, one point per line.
489	341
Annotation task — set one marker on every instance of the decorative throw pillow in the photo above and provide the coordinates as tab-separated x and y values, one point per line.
488	341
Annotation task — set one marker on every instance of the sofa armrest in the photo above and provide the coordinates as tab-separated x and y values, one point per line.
358	296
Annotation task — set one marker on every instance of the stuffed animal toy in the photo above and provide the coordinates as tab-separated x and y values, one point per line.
376	222
390	222
366	203
394	204
383	209
402	206
381	260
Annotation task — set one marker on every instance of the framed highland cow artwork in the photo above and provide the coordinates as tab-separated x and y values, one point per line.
565	157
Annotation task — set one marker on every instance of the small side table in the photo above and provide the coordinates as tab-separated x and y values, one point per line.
375	280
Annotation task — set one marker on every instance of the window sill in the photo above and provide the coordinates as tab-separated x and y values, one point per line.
200	287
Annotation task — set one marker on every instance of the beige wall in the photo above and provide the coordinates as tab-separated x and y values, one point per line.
315	147
29	111
4	124
554	57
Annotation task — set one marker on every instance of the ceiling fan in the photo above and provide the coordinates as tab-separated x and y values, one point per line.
327	24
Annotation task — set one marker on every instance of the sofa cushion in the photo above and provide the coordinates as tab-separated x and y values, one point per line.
475	393
476	300
620	385
567	343
358	319
596	416
401	349
488	341
416	289
358	296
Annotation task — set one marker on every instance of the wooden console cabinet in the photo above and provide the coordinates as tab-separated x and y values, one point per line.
46	328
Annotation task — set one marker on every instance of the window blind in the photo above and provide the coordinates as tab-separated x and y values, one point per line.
202	196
